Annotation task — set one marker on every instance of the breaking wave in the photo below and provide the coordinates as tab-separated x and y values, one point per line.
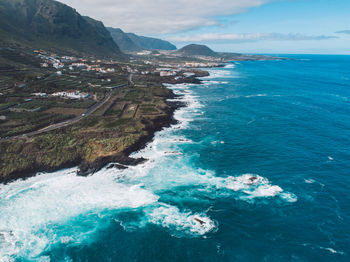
47	210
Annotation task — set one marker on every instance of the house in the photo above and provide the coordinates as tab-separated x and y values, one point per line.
40	94
72	94
77	95
167	73
110	70
146	52
58	65
80	65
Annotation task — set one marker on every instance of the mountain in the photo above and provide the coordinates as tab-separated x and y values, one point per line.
52	25
124	41
197	50
151	43
130	42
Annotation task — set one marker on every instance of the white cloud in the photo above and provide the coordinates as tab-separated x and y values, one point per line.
160	16
347	32
240	38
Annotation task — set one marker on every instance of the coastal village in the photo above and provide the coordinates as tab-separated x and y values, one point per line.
102	106
103	75
74	92
64	87
174	131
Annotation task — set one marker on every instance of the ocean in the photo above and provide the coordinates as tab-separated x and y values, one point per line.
256	169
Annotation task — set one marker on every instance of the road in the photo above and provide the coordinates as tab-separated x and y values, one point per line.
69	122
131	83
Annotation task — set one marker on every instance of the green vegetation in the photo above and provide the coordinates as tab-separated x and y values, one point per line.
61	99
26	103
48	23
197	50
89	140
129	42
25	122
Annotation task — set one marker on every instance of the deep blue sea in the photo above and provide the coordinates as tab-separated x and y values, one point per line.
257	169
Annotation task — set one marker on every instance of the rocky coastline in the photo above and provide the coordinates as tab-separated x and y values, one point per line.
121	159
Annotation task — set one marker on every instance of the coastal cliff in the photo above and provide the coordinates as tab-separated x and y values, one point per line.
110	135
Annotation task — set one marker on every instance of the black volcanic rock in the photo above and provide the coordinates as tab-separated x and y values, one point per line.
197	50
129	42
50	24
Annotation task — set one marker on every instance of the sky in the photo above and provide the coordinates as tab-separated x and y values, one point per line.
245	26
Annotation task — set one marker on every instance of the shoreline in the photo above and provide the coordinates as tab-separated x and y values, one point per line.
122	159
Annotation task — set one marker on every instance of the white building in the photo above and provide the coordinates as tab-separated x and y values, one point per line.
40	94
58	65
110	70
72	94
167	73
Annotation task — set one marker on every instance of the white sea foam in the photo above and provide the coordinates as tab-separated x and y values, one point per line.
216	142
249	96
187	222
210	82
255	95
255	186
32	210
289	197
309	181
218	74
30	206
249	186
333	251
230	66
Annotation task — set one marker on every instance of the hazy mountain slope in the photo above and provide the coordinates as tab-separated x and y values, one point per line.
50	24
123	40
130	42
196	50
151	43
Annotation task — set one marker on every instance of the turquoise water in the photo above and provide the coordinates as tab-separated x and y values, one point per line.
256	170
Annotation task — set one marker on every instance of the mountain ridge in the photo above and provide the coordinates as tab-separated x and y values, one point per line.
196	50
48	23
130	42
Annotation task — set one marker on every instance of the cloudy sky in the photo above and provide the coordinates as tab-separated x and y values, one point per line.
249	26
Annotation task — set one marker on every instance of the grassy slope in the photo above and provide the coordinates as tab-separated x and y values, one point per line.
47	23
90	140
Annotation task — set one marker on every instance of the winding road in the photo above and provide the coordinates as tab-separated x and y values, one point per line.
69	122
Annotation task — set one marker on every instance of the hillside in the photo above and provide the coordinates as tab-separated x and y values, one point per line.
123	40
129	42
196	50
50	24
151	43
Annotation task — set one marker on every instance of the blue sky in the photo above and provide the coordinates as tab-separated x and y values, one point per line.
248	26
309	18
